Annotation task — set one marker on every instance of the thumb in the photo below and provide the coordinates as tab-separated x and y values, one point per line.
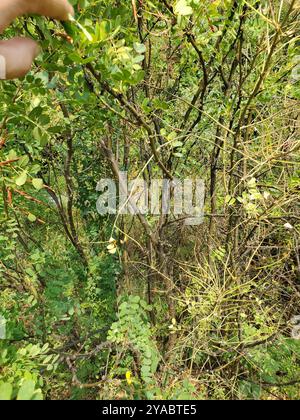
16	57
10	9
56	9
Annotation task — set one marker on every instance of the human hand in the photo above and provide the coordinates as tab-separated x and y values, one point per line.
17	54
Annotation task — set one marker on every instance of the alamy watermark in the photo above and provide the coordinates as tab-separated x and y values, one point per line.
295	75
2	68
161	196
2	328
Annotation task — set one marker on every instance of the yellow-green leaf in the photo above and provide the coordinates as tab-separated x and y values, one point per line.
37	183
182	8
21	180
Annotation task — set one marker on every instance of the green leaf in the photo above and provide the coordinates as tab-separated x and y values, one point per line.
82	28
37	183
26	391
21	180
135	299
24	160
37	133
38	396
176	144
5	391
182	8
31	217
138	59
139	48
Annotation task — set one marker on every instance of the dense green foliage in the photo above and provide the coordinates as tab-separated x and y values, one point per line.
161	88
